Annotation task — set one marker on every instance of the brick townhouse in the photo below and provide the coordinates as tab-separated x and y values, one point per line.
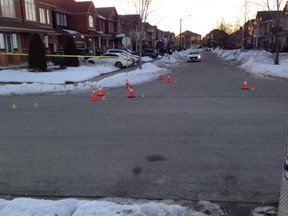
91	27
19	19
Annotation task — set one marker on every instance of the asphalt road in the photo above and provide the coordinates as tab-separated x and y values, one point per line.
199	138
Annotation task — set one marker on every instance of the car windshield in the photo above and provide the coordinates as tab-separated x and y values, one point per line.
194	53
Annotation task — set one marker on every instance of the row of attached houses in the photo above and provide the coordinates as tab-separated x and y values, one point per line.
94	28
260	32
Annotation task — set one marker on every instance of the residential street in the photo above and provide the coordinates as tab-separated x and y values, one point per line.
199	138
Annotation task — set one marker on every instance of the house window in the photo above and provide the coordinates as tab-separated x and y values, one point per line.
91	22
8	8
61	20
101	26
48	17
80	45
44	16
30	10
111	27
8	42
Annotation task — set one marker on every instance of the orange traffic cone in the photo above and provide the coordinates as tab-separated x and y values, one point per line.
160	77
100	91
93	95
245	85
169	81
131	93
127	84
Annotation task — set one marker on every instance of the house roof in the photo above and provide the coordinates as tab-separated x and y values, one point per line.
46	2
131	20
190	33
148	26
71	6
267	15
106	11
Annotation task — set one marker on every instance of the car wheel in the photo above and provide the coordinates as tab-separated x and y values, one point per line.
118	64
90	62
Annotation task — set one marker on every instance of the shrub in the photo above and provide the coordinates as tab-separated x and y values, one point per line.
36	54
70	49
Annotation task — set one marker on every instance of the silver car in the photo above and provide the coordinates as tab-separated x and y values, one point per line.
194	56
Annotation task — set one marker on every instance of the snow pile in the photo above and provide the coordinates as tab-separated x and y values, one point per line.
73	207
148	73
256	61
146	59
67	80
166	61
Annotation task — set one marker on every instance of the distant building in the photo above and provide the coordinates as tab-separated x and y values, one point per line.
189	40
216	38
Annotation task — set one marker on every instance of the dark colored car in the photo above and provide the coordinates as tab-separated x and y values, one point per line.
58	59
249	46
153	53
84	52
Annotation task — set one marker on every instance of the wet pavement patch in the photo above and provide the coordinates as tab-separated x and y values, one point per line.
137	170
155	157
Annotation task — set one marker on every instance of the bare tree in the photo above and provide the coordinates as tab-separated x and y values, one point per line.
246	10
143	8
229	28
131	23
246	13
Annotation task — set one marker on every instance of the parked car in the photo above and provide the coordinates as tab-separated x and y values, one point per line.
153	53
57	59
134	58
249	46
133	54
84	52
116	59
194	56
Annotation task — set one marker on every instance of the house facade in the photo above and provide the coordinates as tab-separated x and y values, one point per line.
216	38
76	20
188	40
93	28
108	20
262	32
284	28
18	25
264	29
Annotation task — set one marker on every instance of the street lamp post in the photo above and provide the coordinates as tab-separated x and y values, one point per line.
180	44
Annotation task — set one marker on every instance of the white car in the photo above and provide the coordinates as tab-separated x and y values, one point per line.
194	56
116	59
134	58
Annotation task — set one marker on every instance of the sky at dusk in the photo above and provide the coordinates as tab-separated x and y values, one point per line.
199	16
